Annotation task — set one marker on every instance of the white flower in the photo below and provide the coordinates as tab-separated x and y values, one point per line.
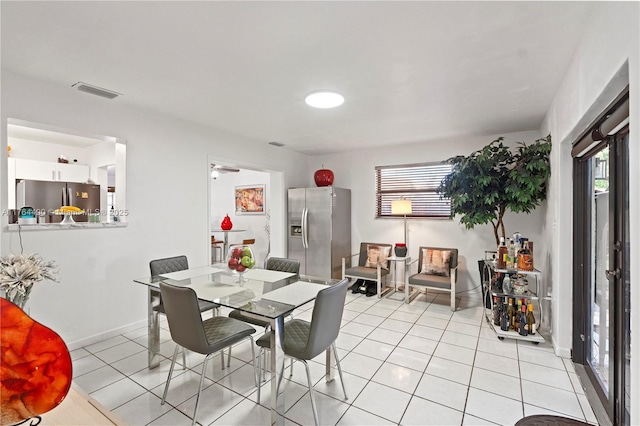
18	273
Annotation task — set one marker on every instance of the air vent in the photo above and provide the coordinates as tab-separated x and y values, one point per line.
276	144
94	90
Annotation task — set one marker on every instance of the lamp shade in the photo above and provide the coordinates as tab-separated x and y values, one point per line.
401	207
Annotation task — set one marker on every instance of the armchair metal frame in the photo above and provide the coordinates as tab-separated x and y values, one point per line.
362	272
433	282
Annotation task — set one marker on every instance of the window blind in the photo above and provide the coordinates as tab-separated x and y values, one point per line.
415	182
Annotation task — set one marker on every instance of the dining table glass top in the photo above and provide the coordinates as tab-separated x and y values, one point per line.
265	293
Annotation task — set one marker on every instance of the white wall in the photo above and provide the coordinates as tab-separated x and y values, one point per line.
167	192
355	170
607	58
223	203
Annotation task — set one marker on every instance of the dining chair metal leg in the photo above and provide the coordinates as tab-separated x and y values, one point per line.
166	386
204	368
313	399
184	358
256	373
335	354
259	361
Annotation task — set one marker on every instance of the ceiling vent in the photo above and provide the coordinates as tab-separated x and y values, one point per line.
276	144
94	90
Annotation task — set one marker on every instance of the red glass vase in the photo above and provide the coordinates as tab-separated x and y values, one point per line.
226	224
323	177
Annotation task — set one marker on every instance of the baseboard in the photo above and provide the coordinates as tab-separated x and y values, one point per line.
559	351
105	335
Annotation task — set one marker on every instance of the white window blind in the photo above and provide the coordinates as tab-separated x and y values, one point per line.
415	182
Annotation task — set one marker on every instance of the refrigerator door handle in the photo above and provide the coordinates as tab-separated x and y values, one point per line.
305	224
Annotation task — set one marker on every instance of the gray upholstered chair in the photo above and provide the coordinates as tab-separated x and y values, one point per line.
175	264
274	264
370	266
283	264
437	270
206	337
305	340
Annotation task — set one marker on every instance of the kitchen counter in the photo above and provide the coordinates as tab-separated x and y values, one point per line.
56	226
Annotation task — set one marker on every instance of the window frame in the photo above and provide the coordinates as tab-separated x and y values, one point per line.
426	201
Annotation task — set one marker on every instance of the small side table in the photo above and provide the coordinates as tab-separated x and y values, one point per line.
395	259
226	240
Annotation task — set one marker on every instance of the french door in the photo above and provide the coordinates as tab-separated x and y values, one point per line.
601	272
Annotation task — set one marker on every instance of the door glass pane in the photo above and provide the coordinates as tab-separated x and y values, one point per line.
599	328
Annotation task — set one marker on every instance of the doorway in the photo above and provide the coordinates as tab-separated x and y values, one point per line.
601	287
266	227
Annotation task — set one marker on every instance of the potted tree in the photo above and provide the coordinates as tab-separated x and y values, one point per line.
494	179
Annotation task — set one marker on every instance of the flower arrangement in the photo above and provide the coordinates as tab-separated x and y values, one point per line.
19	272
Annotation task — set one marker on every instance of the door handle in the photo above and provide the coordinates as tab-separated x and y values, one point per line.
305	241
613	273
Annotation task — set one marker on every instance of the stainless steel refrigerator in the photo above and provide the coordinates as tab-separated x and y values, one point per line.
319	229
45	196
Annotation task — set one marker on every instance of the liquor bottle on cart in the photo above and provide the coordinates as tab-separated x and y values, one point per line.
511	255
523	328
531	320
504	318
502	253
496	311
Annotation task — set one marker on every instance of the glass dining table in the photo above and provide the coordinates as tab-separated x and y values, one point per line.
264	294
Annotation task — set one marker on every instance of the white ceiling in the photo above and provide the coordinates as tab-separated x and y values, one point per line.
409	71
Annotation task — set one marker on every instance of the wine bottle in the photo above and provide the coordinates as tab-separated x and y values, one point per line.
516	317
511	313
531	320
504	319
496	311
523	325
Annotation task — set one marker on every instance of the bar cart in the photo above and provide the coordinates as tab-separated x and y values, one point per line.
491	289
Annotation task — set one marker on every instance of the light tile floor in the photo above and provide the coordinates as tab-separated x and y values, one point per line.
416	364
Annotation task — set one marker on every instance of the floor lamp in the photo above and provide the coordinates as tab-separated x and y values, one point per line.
402	207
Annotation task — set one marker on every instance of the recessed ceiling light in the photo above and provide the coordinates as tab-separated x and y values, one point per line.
324	99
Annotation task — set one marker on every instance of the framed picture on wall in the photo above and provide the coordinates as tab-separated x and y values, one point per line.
250	199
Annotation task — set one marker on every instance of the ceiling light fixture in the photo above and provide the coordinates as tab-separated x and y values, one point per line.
216	169
324	99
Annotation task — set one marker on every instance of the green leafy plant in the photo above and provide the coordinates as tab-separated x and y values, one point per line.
494	179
